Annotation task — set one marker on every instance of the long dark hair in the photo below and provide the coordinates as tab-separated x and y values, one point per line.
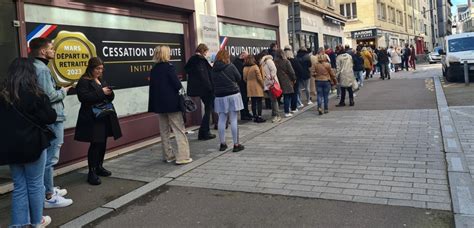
91	65
21	75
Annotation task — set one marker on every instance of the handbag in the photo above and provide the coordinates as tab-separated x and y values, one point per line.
103	109
186	104
275	89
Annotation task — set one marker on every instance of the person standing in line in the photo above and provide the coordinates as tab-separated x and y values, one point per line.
346	74
92	91
375	62
272	49
254	80
42	50
332	60
239	64
228	100
396	58
269	72
367	56
299	71
390	60
358	66
384	64
200	85
25	147
324	77
287	78
405	57
164	100
304	58
412	57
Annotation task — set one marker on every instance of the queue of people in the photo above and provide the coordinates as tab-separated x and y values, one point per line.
32	101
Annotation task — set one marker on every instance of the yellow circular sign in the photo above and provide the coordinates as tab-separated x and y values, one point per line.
73	51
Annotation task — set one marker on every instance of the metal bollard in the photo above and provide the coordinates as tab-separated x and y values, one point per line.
466	73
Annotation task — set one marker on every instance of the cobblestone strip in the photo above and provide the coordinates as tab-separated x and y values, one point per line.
460	180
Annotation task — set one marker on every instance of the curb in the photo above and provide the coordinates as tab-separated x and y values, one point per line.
112	206
460	181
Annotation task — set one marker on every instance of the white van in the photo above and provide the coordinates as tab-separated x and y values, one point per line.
459	48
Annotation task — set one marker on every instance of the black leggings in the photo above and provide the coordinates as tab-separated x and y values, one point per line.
256	106
96	153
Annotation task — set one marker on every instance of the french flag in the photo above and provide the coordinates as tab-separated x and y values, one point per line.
224	40
42	30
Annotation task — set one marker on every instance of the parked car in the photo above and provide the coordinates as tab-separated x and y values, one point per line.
459	48
434	56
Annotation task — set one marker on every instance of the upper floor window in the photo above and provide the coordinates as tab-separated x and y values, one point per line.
382	11
348	10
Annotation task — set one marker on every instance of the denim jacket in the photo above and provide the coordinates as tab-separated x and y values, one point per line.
48	85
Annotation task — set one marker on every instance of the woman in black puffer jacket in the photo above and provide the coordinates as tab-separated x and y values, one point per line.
228	102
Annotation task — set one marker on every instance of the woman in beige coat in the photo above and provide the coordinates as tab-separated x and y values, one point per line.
345	73
254	79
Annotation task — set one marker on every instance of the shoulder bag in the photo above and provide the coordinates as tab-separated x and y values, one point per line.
103	109
186	104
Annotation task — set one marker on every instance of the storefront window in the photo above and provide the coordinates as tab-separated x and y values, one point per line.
248	32
308	40
332	41
8	36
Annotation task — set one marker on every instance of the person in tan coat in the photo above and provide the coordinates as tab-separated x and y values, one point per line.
255	84
324	77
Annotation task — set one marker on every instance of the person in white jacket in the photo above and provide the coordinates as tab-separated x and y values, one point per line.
269	72
345	73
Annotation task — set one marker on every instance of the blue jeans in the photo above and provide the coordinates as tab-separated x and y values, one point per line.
360	77
52	156
298	92
28	192
287	102
323	88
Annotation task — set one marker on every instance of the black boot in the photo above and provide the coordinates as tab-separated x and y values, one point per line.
351	102
101	171
92	177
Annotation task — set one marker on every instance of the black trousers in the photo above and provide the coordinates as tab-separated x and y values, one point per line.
256	106
343	94
208	107
245	100
96	153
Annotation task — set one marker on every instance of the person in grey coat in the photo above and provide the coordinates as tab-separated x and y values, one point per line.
287	78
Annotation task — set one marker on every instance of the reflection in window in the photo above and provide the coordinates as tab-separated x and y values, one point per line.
240	31
461	44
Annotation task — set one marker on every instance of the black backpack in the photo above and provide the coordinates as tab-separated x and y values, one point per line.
358	62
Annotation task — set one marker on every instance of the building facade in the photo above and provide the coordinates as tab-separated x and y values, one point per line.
445	19
320	24
384	23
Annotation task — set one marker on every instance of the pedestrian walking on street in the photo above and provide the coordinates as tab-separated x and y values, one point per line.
228	102
287	78
26	111
384	64
396	58
406	57
299	71
304	58
42	50
358	67
367	56
254	80
346	74
412	57
164	100
97	118
269	72
375	61
200	85
239	63
324	77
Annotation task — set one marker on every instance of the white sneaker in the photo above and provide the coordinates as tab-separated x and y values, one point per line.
300	106
310	102
288	115
57	201
60	191
45	221
294	111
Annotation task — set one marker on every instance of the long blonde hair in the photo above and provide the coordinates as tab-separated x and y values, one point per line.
162	54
